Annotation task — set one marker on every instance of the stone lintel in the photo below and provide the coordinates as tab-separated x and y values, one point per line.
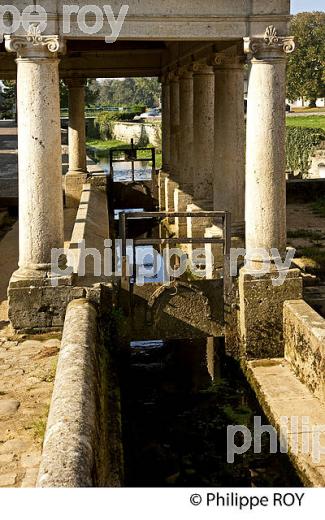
75	82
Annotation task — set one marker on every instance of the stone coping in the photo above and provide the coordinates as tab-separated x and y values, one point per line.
304	336
68	458
92	227
282	395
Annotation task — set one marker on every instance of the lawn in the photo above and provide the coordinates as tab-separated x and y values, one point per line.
306	121
101	148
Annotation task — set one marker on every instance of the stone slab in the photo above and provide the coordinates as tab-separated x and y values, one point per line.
304	336
281	394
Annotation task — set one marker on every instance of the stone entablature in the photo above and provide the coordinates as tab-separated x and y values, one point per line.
175	19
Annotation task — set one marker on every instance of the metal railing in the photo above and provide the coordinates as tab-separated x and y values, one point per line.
131	156
224	216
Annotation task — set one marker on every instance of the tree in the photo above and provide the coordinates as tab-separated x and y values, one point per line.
92	90
148	92
8	105
306	65
130	91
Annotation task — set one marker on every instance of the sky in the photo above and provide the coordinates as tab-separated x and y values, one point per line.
297	6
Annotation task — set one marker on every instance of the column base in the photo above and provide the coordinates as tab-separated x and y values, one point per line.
170	187
182	198
196	226
74	181
38	300
162	176
261	312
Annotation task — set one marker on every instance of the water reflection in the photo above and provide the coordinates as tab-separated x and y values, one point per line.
178	397
123	171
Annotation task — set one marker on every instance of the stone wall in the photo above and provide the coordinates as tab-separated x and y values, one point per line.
142	133
82	445
304	336
317	169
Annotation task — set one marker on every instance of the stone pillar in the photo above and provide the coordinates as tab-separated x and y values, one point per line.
229	150
39	153
203	117
183	194
261	293
172	181
186	129
165	120
38	292
229	138
174	123
265	146
77	173
203	149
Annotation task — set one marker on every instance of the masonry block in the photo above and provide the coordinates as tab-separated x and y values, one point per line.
261	312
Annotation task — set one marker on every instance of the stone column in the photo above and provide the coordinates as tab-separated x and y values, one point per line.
203	116
229	137
265	146
183	194
171	183
165	120
77	173
174	122
39	153
263	287
203	149
39	290
229	150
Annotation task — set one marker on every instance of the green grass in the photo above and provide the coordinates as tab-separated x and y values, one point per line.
306	121
102	148
99	144
306	233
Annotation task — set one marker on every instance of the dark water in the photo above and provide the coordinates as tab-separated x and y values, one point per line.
177	400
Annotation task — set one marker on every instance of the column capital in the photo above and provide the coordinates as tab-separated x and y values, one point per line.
164	78
75	82
35	45
185	72
201	68
221	60
173	75
271	46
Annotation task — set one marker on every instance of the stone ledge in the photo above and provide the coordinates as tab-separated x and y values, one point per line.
281	394
76	445
304	336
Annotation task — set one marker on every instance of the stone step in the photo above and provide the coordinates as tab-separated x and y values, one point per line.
282	395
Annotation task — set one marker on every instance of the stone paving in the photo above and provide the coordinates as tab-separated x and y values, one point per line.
27	371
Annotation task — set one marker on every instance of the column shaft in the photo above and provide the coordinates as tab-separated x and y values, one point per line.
165	116
265	147
186	132
77	127
39	156
174	124
203	82
229	143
